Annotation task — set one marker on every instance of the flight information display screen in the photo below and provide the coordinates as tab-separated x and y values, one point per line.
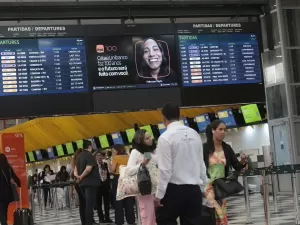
42	66
218	59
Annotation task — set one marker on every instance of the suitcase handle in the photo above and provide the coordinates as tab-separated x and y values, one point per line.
20	198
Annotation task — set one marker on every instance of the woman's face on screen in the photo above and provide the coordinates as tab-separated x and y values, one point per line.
152	54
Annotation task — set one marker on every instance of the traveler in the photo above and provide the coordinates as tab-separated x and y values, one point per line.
104	189
63	176
7	177
219	158
120	158
87	175
142	154
182	171
47	171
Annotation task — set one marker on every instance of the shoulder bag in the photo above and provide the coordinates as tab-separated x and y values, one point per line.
226	187
13	187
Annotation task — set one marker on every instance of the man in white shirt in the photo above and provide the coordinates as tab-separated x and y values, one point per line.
182	171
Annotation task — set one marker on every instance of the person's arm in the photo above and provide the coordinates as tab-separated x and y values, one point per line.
165	165
15	177
113	165
203	170
132	165
234	160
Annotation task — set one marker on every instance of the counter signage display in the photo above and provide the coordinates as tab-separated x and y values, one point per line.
125	62
38	155
70	148
42	66
60	150
162	128
202	122
50	153
103	141
227	117
117	138
31	156
130	134
223	54
251	113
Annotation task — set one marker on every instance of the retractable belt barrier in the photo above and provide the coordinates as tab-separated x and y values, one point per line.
267	173
53	198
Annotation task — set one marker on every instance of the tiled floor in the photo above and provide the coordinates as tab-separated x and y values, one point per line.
236	213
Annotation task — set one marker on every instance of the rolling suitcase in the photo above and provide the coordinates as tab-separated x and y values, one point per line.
208	216
22	216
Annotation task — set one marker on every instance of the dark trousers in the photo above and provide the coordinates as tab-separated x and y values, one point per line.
3	213
90	196
81	199
208	216
103	196
183	201
126	204
46	195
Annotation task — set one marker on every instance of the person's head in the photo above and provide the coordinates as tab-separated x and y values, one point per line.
143	142
215	132
87	145
47	168
4	165
153	58
63	169
120	149
171	113
100	156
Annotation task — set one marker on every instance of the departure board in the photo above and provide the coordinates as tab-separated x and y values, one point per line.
217	59
42	66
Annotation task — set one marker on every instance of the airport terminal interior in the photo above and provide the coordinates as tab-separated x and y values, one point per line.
74	71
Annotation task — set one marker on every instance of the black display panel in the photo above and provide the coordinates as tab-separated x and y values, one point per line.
42	66
214	59
220	63
126	62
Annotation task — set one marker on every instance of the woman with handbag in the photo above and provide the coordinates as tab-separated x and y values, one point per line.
219	157
143	155
8	180
120	158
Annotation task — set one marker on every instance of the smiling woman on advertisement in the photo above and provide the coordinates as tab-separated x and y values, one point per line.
153	61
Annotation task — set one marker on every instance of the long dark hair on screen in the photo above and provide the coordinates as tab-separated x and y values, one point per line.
144	70
4	165
210	136
138	142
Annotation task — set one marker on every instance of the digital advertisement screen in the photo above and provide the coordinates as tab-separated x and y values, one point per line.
130	134
42	66
125	62
50	153
251	113
202	122
216	59
38	155
227	117
162	128
70	148
103	141
117	138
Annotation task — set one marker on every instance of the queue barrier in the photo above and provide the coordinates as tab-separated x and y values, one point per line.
36	190
267	173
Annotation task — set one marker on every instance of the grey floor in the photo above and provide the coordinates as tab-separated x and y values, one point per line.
236	213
